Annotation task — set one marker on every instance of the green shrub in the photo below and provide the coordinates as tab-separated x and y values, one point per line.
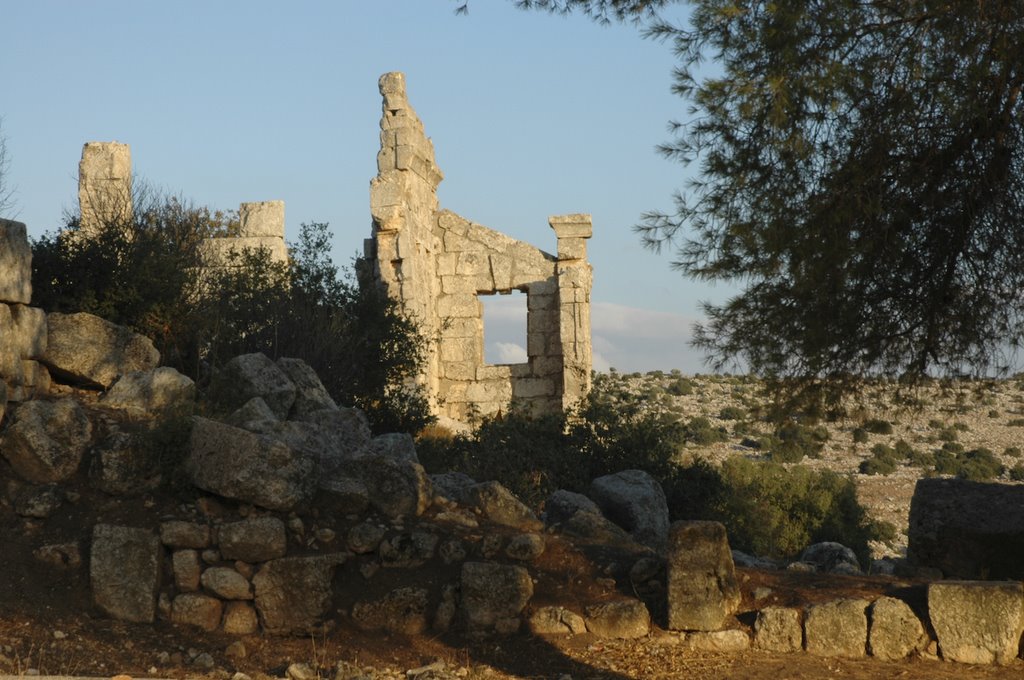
921	459
732	413
1017	472
877	426
903	450
700	431
976	465
680	387
947	434
860	435
1015	422
877	465
994	413
793	441
1012	451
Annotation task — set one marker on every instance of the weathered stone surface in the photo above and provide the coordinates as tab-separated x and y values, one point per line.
832	558
452	485
253	540
397	447
261	218
896	631
158	390
778	629
345	436
226	583
977	622
122	465
364	537
310	394
104	186
623	619
402	611
635	501
562	504
124	572
60	555
293	594
838	628
196	609
592	528
240	619
556	621
525	547
968	530
494	596
186	569
45	440
395	488
500	506
408	549
252	415
718	641
344	495
253	375
15	263
180	534
256	469
28	328
39	502
86	348
702	588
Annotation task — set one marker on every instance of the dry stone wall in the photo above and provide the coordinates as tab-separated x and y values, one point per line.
437	264
23	335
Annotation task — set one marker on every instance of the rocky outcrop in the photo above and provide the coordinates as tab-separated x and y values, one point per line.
702	588
87	349
635	501
157	391
253	375
970	530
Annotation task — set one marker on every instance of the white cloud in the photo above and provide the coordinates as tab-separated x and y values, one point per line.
634	339
508	352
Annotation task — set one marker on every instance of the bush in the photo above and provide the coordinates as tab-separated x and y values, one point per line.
680	387
700	431
877	426
860	435
1012	451
977	465
1017	472
793	441
882	461
1015	422
732	413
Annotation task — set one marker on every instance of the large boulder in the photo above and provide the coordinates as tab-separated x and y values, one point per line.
395	488
258	539
124	464
28	325
702	588
500	506
635	501
831	558
253	375
310	394
15	263
124	572
896	631
968	530
622	619
977	622
293	594
85	348
838	628
778	629
156	391
253	468
45	440
563	504
494	596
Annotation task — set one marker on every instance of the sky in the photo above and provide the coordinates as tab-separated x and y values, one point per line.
225	102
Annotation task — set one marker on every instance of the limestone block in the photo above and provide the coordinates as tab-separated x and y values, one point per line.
104	184
474	265
181	534
537	343
263	218
500	372
186	569
572	249
45	440
466	327
447	264
501	271
124	572
527	388
538	290
15	263
226	583
310	393
460	349
240	619
253	540
458	370
36	380
293	594
385	194
896	631
778	629
490	391
29	329
253	375
577	225
449	221
195	609
402	611
158	390
10	356
225	251
622	619
464	306
702	588
494	596
977	621
500	506
838	628
87	348
719	641
556	621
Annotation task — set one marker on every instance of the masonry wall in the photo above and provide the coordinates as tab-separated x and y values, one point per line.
437	264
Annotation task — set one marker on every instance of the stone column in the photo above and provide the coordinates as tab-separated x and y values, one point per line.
261	219
575	278
104	185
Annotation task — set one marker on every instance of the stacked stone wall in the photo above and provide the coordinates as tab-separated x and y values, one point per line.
22	328
437	264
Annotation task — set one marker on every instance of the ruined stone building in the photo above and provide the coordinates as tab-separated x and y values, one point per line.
105	197
438	264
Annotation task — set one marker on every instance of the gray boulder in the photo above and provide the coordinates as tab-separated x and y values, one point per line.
636	502
156	391
253	375
121	465
310	393
977	622
85	348
45	440
293	594
402	611
253	468
494	596
259	539
562	504
15	263
252	415
896	631
832	558
452	485
500	506
968	530
395	488
345	433
778	629
39	502
621	619
124	572
838	628
702	588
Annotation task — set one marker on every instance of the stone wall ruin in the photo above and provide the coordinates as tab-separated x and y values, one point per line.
437	263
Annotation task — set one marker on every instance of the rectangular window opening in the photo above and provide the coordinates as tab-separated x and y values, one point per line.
504	328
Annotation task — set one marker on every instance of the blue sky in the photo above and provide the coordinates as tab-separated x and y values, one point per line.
223	102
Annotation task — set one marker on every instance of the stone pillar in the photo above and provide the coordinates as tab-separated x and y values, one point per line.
104	185
261	219
575	278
